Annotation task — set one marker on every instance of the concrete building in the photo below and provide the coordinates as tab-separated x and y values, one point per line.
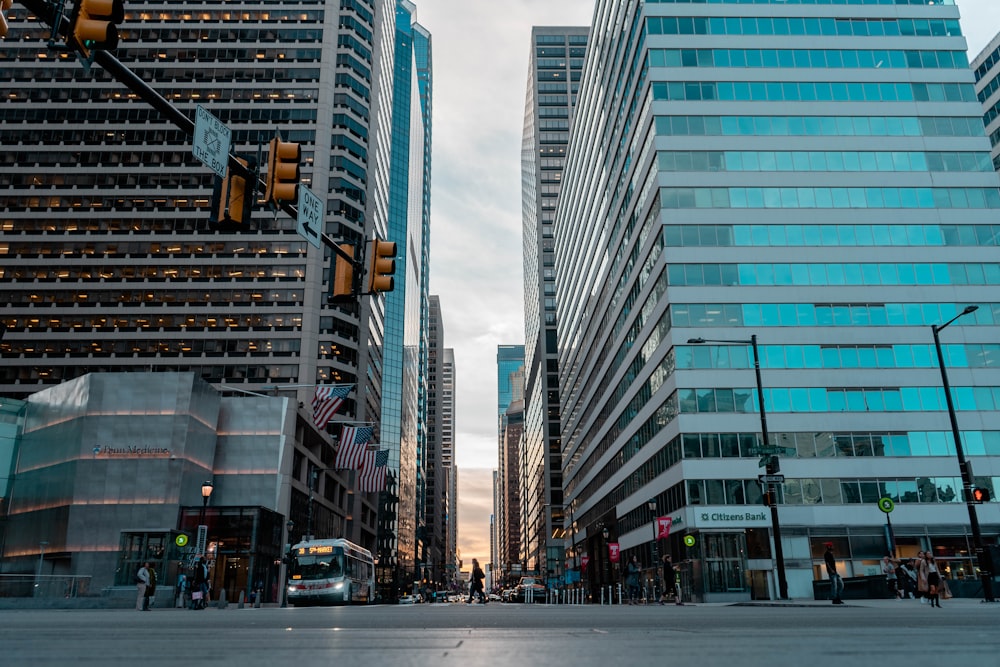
108	470
555	65
814	174
986	67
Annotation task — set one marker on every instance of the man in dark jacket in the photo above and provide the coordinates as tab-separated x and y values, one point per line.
836	583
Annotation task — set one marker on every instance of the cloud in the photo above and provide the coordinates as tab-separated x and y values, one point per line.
475	491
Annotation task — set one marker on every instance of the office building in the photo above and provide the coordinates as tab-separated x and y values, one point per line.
439	467
813	174
555	64
986	67
111	265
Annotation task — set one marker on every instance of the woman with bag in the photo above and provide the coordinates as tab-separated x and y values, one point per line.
933	580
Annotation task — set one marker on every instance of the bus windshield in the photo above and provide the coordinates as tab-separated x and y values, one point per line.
326	566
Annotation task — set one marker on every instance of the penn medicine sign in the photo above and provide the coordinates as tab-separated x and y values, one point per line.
131	452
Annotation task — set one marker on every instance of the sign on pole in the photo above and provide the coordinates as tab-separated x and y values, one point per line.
771	479
211	141
310	216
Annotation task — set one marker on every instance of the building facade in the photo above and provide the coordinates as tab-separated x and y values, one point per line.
986	67
111	230
108	469
555	65
815	174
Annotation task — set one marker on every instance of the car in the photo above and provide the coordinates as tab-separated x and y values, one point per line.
529	586
408	599
494	597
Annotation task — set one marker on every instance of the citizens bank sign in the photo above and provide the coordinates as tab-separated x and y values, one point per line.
729	519
130	452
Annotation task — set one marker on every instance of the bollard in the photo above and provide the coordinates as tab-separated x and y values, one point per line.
602	596
257	599
223	603
239	604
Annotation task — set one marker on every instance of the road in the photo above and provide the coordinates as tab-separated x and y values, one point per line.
880	633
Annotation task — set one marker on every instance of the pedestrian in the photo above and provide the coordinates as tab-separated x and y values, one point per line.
476	583
632	580
671	580
151	588
933	580
199	591
836	582
920	565
180	591
141	582
908	578
891	578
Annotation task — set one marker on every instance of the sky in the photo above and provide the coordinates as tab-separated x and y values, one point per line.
480	52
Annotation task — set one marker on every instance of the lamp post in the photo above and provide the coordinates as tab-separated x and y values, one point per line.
202	542
285	558
985	567
651	504
779	556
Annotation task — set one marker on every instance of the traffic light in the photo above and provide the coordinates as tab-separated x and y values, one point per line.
283	172
381	266
93	24
4	6
342	285
980	495
231	203
773	466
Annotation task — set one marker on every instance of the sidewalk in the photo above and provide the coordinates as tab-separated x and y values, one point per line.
890	603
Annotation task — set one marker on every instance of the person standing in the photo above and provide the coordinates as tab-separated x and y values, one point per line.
933	580
922	586
671	580
141	583
181	591
151	588
200	585
836	582
632	580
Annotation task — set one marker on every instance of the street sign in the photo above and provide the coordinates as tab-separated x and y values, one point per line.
771	479
211	141
771	451
689	540
181	540
886	504
310	216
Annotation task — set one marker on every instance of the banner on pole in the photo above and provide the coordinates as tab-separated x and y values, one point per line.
614	551
663	527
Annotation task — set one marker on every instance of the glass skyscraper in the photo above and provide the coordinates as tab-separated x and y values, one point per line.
555	66
987	69
815	174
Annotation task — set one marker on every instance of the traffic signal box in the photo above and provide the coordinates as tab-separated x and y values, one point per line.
93	24
381	266
4	6
342	285
283	172
232	200
773	467
980	495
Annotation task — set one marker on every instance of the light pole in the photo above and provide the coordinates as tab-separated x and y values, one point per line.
985	567
772	467
651	504
202	542
285	558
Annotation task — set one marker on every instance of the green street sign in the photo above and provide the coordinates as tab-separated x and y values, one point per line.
181	540
689	540
771	450
886	504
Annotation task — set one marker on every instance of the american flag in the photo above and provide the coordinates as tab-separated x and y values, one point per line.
326	401
353	441
371	476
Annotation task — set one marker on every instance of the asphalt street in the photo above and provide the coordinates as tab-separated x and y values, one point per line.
880	633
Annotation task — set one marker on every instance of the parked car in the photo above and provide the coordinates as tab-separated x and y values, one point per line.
530	586
408	599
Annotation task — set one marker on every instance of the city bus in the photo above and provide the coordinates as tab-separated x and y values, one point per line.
330	572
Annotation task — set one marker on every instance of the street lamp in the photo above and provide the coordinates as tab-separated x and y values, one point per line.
651	504
206	493
285	558
772	465
985	567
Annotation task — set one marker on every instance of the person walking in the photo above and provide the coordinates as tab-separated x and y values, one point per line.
891	579
671	580
632	580
199	591
476	583
141	583
180	592
933	580
836	582
151	588
908	579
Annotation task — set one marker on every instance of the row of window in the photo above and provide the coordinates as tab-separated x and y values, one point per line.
91	296
988	63
823	161
225	374
118	272
825	315
781	25
802	2
812	91
928	198
971	355
146	320
778	274
816	126
804	58
831	235
837	445
826	491
195	346
837	399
